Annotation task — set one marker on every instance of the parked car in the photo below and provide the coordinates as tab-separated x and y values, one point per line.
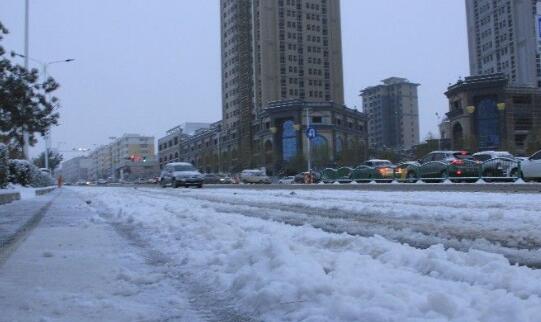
101	182
497	164
287	180
178	174
211	178
531	167
374	170
254	176
439	165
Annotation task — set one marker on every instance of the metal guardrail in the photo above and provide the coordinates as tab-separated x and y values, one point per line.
494	170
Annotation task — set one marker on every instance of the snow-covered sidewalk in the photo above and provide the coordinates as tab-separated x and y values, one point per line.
275	271
75	267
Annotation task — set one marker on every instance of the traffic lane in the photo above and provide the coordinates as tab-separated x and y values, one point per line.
441	187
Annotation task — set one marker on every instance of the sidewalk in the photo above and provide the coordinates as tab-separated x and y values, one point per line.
75	267
16	217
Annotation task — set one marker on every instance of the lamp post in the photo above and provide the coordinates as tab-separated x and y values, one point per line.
308	147
44	66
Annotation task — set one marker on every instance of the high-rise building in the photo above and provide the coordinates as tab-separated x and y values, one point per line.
393	113
277	51
502	38
297	51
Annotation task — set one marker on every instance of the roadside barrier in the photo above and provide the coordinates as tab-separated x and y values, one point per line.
494	170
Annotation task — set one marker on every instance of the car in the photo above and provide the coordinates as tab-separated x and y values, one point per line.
301	177
287	180
101	182
497	165
140	181
437	166
153	180
227	180
211	178
531	168
82	183
254	176
374	170
178	174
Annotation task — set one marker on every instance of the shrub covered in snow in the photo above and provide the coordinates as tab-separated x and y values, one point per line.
3	165
25	173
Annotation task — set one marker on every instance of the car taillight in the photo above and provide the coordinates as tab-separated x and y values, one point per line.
384	170
459	173
457	162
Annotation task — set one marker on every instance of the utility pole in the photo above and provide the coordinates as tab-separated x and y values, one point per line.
308	146
26	49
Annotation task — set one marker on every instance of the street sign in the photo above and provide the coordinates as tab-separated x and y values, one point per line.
311	133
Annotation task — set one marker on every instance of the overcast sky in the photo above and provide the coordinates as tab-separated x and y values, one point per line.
145	66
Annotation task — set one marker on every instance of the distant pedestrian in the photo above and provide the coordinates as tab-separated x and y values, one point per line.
59	181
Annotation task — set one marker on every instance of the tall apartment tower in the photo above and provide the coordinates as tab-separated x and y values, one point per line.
502	38
393	113
274	50
297	51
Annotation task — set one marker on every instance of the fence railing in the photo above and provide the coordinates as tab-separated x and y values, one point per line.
493	170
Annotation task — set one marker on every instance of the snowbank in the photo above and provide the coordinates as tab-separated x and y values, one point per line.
279	272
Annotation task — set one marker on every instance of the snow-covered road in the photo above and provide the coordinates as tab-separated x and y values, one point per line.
282	256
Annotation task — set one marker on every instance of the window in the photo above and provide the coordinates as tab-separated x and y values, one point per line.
289	140
316	119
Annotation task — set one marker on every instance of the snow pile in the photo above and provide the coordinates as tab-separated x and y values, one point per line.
25	173
279	272
25	192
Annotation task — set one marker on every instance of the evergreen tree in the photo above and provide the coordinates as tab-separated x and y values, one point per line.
25	104
55	159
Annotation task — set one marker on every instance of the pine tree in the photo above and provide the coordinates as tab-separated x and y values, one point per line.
25	102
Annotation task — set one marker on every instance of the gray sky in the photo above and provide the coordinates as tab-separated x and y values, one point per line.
145	66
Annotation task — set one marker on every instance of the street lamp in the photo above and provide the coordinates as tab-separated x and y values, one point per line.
44	66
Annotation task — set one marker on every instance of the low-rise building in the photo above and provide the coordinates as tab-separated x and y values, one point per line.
486	113
129	157
78	168
169	145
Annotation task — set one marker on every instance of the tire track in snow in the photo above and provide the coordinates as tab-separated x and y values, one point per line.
208	304
428	269
417	233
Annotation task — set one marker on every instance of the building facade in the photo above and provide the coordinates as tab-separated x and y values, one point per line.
78	168
281	60
488	113
169	146
393	114
128	157
275	50
503	38
281	144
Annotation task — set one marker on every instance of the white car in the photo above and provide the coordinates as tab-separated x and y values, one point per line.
531	167
287	180
254	176
179	174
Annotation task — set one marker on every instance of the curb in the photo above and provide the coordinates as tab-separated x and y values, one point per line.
40	192
9	197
